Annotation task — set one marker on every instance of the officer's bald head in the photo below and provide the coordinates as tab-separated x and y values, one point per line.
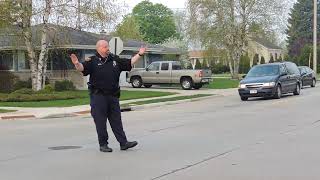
102	47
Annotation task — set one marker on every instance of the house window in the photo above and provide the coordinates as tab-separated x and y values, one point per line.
6	60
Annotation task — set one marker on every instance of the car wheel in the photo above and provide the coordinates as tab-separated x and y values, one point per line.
136	82
278	93
186	83
147	85
297	90
244	98
313	83
197	86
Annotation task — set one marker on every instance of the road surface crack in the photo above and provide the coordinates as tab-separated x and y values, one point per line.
196	163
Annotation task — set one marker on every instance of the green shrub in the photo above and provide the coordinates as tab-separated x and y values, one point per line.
263	61
255	60
48	89
23	84
271	59
220	68
23	91
15	97
198	65
64	86
244	65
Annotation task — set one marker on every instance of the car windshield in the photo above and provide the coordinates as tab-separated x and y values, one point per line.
259	71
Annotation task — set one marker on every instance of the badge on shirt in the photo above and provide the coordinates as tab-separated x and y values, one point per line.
114	63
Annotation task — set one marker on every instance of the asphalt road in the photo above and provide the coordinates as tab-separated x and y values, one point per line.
218	138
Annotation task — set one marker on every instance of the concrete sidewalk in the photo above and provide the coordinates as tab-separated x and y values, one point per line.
58	112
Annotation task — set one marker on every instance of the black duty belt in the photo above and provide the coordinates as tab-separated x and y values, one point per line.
105	92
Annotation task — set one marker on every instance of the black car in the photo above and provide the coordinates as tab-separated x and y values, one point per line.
271	80
308	76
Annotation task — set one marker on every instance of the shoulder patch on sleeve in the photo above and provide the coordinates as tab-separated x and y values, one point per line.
89	58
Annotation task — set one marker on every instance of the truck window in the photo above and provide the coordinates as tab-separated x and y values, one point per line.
154	67
176	66
164	66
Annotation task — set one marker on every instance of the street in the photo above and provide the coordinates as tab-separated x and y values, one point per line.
218	138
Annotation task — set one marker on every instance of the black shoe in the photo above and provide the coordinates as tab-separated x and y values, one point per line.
105	148
128	145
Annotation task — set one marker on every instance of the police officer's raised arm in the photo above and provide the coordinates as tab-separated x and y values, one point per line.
76	62
136	58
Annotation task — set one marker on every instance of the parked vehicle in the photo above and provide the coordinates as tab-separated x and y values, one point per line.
271	80
308	76
169	72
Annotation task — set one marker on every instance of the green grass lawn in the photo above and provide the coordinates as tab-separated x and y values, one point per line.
6	110
166	99
84	99
223	83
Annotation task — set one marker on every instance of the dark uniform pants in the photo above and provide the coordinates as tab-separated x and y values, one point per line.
105	108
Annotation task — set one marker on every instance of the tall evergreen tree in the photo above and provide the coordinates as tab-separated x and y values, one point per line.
300	26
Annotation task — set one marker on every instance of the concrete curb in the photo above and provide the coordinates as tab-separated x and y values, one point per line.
153	105
17	117
141	107
124	109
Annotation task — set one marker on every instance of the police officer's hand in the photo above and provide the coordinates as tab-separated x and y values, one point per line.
74	59
142	50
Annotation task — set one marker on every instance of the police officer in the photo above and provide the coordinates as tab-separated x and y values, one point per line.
104	69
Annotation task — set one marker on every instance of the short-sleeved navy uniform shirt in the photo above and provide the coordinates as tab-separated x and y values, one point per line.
105	72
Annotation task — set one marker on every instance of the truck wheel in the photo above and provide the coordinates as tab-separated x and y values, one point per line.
136	82
197	86
147	85
186	83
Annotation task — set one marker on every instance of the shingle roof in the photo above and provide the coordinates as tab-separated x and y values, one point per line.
265	43
64	36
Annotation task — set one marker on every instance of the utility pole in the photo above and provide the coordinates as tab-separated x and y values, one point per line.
315	14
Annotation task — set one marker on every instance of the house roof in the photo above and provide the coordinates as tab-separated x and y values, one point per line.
67	37
265	43
196	54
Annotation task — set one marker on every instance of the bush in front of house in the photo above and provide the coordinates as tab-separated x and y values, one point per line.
219	68
64	86
23	91
47	89
26	84
22	84
7	80
37	96
244	65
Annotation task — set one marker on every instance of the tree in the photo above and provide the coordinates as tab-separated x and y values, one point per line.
271	59
198	64
300	26
25	12
244	66
156	22
128	29
255	60
258	30
263	61
225	24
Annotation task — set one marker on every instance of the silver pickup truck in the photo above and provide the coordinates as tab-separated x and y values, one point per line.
169	72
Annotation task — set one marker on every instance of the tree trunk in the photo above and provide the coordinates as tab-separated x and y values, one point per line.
27	35
42	62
